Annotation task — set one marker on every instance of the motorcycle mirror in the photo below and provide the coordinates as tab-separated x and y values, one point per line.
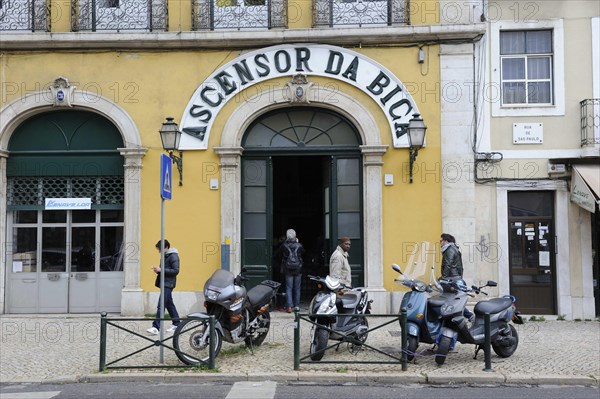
397	268
491	283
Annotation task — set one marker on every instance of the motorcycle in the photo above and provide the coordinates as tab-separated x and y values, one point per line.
423	311
327	308
240	315
503	336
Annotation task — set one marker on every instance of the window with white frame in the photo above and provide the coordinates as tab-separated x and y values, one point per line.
526	61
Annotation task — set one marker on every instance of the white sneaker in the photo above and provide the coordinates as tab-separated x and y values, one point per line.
153	330
172	329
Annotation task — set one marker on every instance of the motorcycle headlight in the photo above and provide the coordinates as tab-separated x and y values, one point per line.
211	295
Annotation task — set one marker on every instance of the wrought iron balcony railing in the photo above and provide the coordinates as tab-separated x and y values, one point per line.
118	15
239	14
360	12
590	121
31	15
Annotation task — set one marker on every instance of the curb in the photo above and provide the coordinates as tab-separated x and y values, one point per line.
484	378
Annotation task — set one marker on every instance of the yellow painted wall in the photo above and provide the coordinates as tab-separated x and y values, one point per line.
152	85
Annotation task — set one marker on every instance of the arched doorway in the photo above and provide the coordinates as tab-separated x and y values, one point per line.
301	169
65	255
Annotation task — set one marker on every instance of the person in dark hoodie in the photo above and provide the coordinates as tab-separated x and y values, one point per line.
171	272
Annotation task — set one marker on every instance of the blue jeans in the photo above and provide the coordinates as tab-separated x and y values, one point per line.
292	290
169	307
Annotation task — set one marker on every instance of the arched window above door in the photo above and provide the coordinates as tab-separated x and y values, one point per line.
65	143
300	127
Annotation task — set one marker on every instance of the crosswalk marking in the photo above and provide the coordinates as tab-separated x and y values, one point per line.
252	390
29	395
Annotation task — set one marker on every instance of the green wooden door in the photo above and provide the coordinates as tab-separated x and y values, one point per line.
256	219
343	211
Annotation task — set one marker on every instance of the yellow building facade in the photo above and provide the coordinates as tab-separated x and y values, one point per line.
296	121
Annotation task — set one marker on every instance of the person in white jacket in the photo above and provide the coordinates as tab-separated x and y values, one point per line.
338	263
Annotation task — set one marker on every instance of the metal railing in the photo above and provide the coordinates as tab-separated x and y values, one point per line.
350	339
21	15
590	121
116	323
346	13
119	15
239	14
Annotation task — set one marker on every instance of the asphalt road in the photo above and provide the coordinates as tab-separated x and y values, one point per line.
273	390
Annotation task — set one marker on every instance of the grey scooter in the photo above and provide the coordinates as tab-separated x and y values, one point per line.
504	337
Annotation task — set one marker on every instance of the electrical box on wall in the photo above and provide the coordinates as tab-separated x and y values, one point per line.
556	168
214	184
388	180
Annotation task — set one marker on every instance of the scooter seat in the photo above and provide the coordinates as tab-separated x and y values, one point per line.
436	301
494	305
349	300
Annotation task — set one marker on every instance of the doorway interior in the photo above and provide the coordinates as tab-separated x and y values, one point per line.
299	186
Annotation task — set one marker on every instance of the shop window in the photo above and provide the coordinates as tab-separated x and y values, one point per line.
526	62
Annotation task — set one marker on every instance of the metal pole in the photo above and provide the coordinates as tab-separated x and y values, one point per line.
487	343
211	344
102	365
404	358
296	338
162	277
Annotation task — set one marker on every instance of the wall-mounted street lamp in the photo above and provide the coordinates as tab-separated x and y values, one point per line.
170	136
416	138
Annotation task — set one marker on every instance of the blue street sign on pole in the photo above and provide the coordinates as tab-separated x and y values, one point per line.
166	181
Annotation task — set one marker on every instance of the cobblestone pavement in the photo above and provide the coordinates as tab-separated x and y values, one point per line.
47	348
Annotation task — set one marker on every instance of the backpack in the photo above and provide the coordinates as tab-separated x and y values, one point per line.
292	261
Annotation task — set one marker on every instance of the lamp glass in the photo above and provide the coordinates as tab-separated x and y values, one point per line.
416	132
170	135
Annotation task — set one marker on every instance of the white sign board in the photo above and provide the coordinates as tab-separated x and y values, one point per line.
528	133
62	204
287	60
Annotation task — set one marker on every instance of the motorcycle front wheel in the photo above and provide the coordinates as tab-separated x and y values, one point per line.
507	351
261	332
443	350
192	340
318	344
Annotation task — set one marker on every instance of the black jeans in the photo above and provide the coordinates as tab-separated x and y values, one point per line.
169	307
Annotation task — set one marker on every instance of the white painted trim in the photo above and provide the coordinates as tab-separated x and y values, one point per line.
493	90
546	154
563	274
596	57
596	70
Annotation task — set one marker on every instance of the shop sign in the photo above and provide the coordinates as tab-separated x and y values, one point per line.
62	204
290	60
581	193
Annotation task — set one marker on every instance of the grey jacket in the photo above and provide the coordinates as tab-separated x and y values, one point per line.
171	269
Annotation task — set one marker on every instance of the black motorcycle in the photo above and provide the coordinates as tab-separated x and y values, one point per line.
240	316
327	309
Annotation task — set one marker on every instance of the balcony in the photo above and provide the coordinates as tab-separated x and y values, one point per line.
353	13
118	15
24	15
239	14
590	122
